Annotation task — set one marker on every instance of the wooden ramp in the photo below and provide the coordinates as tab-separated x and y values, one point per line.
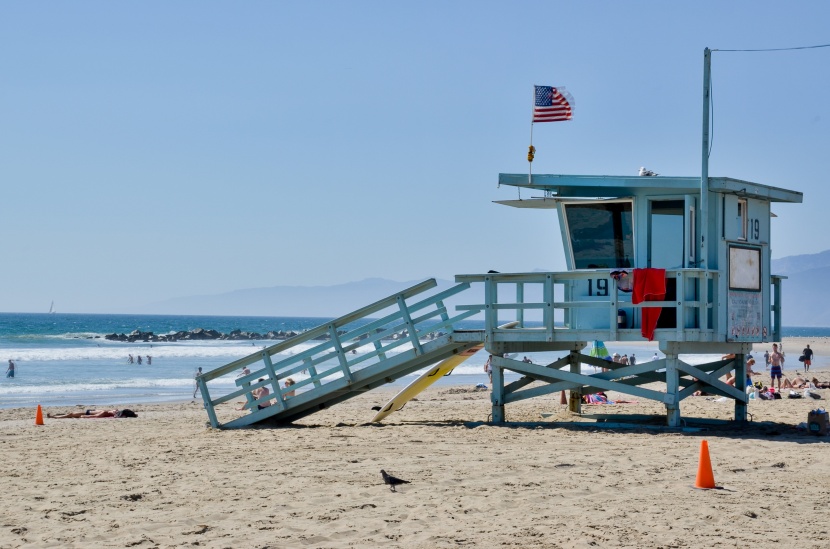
341	359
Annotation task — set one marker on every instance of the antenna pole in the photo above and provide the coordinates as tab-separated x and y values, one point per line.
703	221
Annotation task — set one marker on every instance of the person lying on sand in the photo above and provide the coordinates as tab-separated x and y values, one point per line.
820	384
798	383
94	414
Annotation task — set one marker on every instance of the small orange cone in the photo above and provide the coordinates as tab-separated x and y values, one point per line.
705	478
563	399
39	416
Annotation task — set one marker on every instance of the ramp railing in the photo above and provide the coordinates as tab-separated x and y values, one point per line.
327	365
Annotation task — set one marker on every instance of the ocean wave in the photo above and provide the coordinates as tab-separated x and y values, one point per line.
118	352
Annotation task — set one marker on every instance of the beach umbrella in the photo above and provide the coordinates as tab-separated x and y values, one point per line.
599	350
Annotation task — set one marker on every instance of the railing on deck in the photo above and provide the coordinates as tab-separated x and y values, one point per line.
329	362
504	299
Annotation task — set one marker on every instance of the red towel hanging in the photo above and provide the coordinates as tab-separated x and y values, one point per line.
649	285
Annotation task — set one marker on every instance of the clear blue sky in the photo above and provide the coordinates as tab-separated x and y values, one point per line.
151	150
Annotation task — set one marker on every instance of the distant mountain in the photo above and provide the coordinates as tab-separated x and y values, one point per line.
805	294
308	301
806	297
800	263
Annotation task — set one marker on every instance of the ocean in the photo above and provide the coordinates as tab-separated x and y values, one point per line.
64	360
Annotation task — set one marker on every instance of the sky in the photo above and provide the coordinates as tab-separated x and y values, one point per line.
152	150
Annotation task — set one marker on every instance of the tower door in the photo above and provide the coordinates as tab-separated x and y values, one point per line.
666	246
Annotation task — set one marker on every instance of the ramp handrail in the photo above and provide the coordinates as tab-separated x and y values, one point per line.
332	349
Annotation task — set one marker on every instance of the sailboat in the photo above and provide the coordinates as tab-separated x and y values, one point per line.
52	308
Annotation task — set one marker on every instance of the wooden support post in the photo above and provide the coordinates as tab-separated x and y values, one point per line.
547	312
740	383
520	298
211	412
497	393
341	354
276	390
410	326
672	390
312	371
575	402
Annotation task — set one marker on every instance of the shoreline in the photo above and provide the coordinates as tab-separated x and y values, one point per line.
138	396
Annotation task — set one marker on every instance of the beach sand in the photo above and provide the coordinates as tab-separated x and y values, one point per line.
166	479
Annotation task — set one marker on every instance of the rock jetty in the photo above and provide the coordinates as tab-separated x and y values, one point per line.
196	335
234	335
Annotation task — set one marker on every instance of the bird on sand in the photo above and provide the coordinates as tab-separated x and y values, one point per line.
646	172
392	481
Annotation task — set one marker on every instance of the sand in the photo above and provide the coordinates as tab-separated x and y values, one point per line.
166	479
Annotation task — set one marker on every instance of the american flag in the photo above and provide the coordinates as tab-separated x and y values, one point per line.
552	104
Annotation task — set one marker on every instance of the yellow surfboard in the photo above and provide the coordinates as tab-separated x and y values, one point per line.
428	378
423	381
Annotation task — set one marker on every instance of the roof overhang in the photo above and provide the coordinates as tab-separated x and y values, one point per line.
608	186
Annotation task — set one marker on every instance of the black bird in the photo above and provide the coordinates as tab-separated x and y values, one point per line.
392	481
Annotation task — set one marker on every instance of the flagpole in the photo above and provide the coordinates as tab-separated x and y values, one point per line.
703	222
531	150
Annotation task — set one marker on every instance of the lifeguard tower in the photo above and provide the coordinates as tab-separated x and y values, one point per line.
683	261
625	236
648	258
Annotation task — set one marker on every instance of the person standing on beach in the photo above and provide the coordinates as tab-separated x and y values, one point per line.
149	360
488	367
776	361
196	377
808	358
10	369
766	358
130	359
139	359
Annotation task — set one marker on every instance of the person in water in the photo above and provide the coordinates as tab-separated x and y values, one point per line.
196	378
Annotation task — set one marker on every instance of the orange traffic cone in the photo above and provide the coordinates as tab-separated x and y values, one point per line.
563	399
705	478
39	416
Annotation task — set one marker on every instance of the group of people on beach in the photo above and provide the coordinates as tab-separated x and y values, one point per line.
137	359
258	393
263	392
775	366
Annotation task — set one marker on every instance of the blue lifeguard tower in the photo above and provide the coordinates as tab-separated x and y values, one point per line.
714	299
683	261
